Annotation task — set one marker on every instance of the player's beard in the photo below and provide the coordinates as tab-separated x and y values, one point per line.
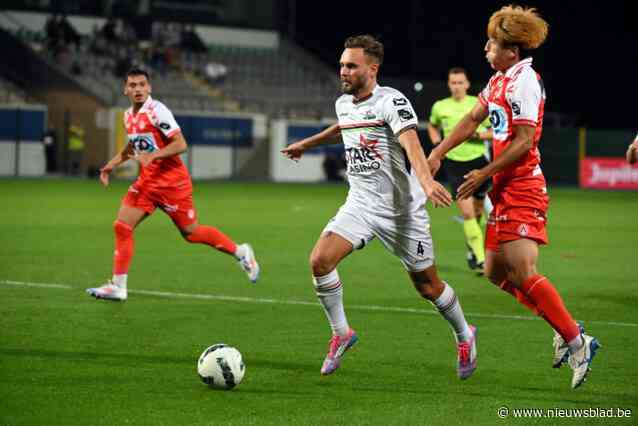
352	87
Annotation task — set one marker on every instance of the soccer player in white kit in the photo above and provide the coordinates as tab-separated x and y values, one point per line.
389	184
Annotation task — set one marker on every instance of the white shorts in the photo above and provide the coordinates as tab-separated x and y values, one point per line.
407	237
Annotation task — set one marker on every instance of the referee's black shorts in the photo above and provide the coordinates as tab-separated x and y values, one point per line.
455	170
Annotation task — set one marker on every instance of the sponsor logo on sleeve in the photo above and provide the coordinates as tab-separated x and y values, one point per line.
164	126
399	101
405	114
516	108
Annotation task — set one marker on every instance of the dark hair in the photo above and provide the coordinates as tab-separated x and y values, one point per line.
458	70
370	45
137	71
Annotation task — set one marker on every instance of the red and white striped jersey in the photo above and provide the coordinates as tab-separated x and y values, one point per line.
517	98
150	130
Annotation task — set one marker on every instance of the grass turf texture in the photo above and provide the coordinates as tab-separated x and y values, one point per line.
66	358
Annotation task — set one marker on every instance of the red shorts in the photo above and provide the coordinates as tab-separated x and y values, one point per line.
514	223
178	204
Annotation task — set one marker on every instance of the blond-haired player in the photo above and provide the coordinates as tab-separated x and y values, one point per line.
514	99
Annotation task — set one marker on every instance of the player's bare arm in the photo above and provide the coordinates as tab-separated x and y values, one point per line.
331	135
436	192
632	152
463	131
522	143
120	158
434	133
177	145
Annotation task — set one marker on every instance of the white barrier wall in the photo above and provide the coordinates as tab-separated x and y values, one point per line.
309	168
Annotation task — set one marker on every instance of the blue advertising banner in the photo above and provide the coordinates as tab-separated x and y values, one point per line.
217	131
26	125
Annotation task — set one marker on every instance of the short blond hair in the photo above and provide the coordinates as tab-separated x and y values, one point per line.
517	26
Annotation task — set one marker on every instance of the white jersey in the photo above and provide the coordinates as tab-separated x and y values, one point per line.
380	176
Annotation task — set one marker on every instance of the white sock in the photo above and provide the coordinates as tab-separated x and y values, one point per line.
120	280
449	307
576	343
330	294
240	251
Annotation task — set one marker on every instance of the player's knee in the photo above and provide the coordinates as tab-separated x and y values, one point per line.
188	233
122	229
428	287
522	273
320	263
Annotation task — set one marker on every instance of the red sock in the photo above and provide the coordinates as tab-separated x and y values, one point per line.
124	245
540	291
518	295
213	237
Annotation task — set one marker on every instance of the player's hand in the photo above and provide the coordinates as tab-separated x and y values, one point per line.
632	152
473	180
434	162
145	158
294	151
105	173
439	196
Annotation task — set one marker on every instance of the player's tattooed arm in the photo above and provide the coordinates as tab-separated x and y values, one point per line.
331	135
464	130
177	145
436	192
522	143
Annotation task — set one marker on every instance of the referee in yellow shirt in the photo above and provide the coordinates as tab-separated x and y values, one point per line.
471	154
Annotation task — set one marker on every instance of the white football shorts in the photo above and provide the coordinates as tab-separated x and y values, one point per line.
407	237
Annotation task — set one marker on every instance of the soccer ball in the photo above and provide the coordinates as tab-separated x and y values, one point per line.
221	366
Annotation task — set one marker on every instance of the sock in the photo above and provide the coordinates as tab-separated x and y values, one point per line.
540	291
520	296
124	246
330	294
576	343
474	238
240	251
449	307
213	237
120	280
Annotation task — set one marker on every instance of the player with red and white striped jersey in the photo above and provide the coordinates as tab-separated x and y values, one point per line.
155	140
514	99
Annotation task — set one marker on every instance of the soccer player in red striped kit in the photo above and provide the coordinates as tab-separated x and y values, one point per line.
514	99
155	140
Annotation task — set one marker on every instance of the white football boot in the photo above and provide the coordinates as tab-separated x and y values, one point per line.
249	264
109	291
581	359
561	349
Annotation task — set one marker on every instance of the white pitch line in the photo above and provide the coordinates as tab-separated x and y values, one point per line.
173	295
40	285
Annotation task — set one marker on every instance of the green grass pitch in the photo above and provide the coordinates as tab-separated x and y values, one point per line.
66	358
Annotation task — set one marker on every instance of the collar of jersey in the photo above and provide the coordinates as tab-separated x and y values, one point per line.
145	106
527	62
356	102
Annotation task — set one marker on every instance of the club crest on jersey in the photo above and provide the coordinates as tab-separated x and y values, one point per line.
369	115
